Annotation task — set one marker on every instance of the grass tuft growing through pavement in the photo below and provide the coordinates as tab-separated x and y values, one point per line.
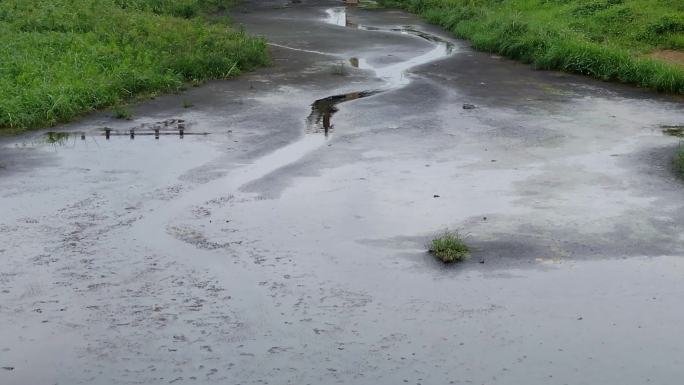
449	247
62	58
617	40
121	112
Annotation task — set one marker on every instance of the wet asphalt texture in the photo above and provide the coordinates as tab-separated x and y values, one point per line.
287	246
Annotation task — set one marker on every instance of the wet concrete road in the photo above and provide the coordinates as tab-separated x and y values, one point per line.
287	245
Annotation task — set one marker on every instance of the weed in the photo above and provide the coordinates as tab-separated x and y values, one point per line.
449	247
121	112
187	104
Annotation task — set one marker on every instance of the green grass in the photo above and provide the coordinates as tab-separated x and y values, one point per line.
449	247
605	39
121	112
62	58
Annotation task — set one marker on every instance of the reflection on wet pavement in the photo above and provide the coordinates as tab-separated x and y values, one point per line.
168	127
322	110
395	75
56	137
337	16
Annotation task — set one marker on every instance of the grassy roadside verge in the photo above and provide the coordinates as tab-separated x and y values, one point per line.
616	40
62	58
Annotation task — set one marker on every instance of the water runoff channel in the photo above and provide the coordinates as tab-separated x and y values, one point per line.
159	220
395	75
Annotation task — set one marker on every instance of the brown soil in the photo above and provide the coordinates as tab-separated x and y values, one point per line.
670	56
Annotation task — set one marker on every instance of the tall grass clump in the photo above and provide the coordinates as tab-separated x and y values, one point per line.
606	39
62	58
449	247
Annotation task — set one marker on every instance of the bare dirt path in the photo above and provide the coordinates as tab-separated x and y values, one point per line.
286	246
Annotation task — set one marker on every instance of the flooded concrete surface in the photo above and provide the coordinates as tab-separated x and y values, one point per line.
281	238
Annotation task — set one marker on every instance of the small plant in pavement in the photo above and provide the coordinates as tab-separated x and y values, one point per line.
449	247
121	112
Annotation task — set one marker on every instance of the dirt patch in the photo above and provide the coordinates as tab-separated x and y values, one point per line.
670	56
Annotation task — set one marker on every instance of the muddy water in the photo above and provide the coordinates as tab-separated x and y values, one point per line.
260	250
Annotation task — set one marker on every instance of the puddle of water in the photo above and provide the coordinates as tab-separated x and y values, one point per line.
319	121
337	16
155	223
168	127
394	75
322	110
57	138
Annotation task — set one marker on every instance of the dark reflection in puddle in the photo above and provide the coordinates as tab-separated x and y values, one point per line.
322	110
338	16
58	138
394	74
169	127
